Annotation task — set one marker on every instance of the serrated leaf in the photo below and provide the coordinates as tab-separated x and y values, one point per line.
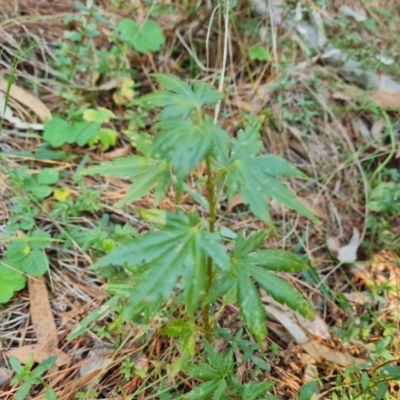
281	291
180	99
184	143
203	391
251	309
23	391
253	391
45	365
276	260
165	256
255	178
11	281
48	176
35	263
244	246
220	285
204	372
220	391
144	172
15	364
147	37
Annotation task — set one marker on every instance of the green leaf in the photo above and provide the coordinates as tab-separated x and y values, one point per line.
253	391
220	285
185	143
36	263
10	282
392	370
101	115
39	239
23	391
220	391
259	53
256	177
107	137
87	131
308	390
276	260
144	38
15	364
203	372
381	390
244	246
166	255
49	394
281	291
203	390
249	302
178	328
45	365
180	99
144	172
16	251
48	176
57	132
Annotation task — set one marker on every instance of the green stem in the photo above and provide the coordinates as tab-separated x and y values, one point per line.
212	217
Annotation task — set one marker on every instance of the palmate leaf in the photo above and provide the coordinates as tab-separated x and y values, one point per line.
179	99
144	173
247	264
180	248
256	177
185	143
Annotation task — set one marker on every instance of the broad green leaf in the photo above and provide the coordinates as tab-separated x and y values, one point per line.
185	143
48	176
392	370
87	131
276	260
249	302
107	138
11	281
381	390
281	290
180	99
16	251
144	38
57	132
39	239
35	263
101	115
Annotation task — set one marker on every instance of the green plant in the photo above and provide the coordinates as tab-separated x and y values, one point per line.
186	246
30	377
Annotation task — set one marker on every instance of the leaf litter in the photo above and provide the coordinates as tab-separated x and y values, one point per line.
76	290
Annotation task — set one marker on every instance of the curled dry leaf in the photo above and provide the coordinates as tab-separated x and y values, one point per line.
96	361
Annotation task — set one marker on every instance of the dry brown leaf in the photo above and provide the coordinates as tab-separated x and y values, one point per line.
28	100
236	200
348	253
40	353
121	152
387	99
96	361
43	325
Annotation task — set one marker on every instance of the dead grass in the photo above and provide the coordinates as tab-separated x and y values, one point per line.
332	152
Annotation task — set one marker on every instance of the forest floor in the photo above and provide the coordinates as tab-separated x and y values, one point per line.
337	122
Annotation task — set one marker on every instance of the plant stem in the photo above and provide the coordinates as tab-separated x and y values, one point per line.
211	219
